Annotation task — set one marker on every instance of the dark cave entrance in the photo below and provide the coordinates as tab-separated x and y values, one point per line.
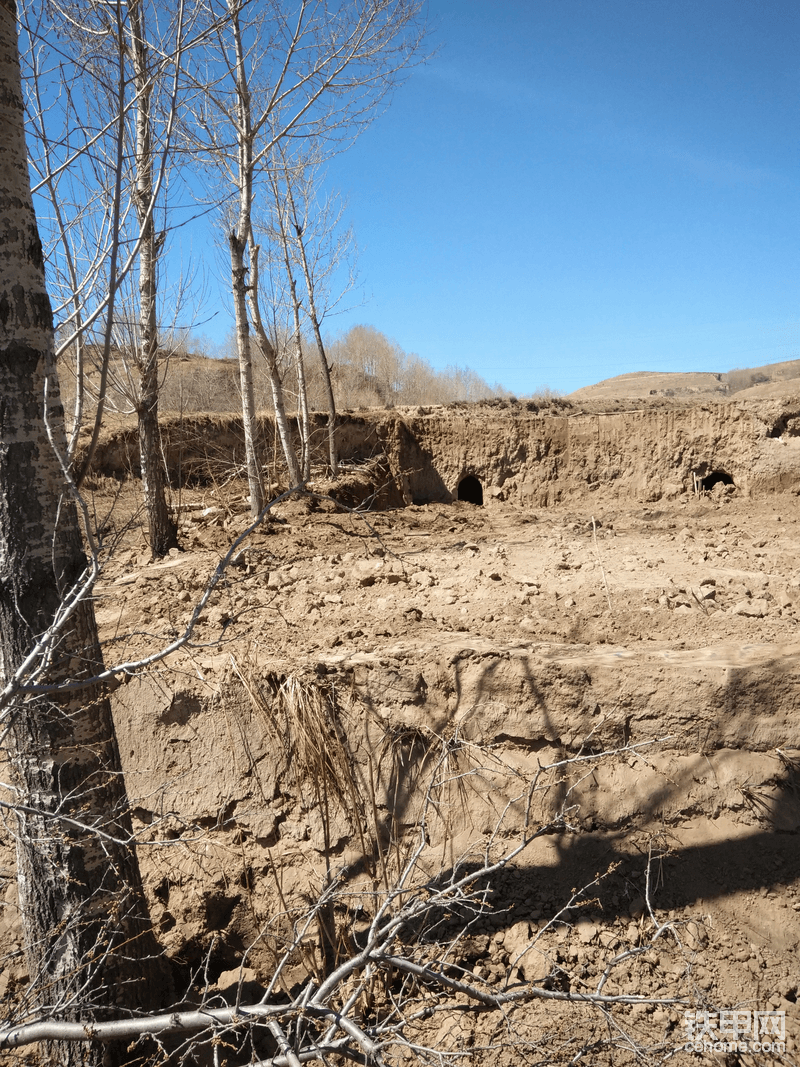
471	490
708	481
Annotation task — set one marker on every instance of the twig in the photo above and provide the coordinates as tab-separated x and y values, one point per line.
600	563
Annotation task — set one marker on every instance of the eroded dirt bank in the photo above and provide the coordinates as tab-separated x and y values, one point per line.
529	638
617	669
646	453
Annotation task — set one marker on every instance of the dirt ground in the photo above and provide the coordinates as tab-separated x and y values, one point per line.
676	620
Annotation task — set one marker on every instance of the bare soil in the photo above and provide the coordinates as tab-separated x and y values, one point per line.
536	634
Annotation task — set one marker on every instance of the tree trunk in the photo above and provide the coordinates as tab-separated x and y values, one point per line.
239	288
333	457
238	242
89	945
163	530
268	351
303	420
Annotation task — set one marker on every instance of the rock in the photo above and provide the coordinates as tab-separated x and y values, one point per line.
752	609
530	959
423	579
228	984
695	935
367	566
586	931
516	939
535	965
706	590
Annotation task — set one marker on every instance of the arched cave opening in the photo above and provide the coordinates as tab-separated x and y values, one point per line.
713	478
471	490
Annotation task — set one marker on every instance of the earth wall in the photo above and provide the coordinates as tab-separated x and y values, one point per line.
422	454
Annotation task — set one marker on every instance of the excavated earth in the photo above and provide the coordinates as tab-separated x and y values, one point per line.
607	644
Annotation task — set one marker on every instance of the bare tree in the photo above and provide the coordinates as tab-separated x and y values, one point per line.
270	353
88	939
310	235
280	234
293	71
78	165
115	172
163	529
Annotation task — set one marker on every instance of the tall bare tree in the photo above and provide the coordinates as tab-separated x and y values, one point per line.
280	234
320	247
128	55
89	944
163	529
298	70
77	160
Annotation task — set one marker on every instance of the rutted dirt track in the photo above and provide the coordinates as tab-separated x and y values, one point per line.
592	604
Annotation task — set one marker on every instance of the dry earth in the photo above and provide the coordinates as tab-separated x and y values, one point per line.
628	613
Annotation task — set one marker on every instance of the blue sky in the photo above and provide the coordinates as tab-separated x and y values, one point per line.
574	189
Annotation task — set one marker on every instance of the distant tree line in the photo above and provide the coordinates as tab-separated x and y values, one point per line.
367	370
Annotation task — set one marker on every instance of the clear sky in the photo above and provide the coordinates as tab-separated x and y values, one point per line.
574	189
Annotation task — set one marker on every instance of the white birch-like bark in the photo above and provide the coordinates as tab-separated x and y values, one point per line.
314	318
276	385
238	241
163	529
303	420
89	945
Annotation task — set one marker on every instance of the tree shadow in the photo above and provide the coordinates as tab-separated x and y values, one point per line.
644	854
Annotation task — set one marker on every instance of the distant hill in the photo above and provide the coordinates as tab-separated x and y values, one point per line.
768	380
